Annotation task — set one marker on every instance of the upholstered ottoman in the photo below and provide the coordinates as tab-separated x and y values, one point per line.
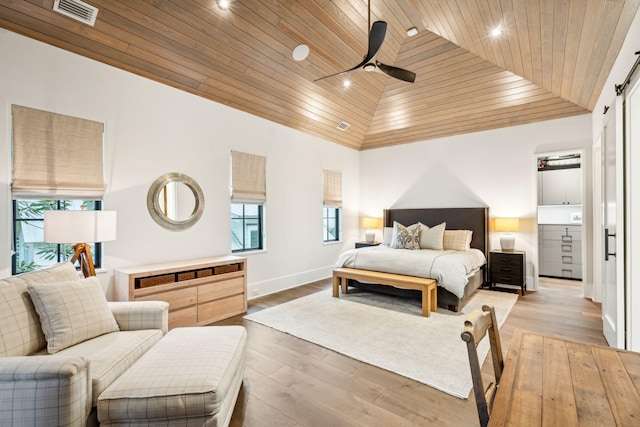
192	376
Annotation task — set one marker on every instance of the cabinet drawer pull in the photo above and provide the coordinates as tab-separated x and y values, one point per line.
567	272
505	269
567	259
567	239
567	248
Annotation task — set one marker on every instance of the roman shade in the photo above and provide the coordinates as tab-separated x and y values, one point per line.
332	193
56	156
248	178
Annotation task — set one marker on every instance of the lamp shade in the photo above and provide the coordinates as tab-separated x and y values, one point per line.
507	224
79	226
371	222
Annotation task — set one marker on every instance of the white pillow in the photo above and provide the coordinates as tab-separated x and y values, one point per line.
387	232
72	312
457	240
432	238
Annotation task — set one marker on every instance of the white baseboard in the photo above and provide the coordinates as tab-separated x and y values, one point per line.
266	287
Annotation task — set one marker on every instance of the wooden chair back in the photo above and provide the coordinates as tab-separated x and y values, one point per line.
475	328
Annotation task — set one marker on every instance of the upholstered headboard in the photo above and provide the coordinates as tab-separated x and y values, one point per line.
474	219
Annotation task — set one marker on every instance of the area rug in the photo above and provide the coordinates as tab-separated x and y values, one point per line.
389	332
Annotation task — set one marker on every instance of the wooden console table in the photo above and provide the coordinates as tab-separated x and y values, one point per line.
550	381
199	291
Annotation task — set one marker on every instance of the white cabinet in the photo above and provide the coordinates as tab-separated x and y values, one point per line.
560	251
560	187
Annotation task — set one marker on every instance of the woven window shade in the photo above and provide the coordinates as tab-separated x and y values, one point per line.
332	188
56	156
248	178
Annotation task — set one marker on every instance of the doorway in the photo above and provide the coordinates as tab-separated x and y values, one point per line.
560	195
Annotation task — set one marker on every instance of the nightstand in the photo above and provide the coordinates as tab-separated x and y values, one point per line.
508	268
366	244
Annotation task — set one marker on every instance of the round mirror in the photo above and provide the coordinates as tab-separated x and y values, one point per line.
175	201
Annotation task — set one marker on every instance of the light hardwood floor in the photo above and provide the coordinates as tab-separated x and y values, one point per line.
291	382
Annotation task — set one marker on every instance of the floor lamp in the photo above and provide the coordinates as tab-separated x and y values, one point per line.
79	228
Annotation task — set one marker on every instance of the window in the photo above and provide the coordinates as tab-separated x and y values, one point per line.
30	251
331	224
246	227
332	203
248	195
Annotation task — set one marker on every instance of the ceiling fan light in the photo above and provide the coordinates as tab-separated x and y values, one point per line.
369	67
224	4
412	31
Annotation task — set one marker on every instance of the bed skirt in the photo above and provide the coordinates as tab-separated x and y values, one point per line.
445	298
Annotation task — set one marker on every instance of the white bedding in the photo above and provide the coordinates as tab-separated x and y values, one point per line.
451	269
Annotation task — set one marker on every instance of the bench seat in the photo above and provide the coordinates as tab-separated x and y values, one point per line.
427	286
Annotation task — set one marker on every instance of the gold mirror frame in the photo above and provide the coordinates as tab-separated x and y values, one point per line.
155	210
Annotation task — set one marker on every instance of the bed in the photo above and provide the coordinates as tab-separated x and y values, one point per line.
474	219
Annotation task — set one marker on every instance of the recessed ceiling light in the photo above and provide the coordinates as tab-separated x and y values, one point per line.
412	31
300	52
497	31
224	4
346	83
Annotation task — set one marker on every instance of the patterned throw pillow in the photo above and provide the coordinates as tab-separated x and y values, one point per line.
408	237
72	312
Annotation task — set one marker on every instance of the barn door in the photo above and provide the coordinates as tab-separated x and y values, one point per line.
613	297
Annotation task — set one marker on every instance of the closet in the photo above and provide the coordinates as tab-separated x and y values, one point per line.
560	216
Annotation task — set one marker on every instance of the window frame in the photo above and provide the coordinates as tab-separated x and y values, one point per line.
260	216
338	220
96	250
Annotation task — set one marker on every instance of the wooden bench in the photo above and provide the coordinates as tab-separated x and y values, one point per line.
427	286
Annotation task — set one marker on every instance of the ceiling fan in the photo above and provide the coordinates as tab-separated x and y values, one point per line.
377	32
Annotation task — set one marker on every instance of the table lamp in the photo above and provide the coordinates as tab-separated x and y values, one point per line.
79	228
371	224
507	226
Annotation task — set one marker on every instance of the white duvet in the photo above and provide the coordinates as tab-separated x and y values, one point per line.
451	269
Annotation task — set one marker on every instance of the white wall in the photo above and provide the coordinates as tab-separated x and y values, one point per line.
152	129
495	168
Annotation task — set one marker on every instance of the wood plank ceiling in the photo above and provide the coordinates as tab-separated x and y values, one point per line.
551	61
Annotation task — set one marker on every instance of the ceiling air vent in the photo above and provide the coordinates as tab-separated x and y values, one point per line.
343	126
77	10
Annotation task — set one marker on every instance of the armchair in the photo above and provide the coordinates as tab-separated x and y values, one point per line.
38	388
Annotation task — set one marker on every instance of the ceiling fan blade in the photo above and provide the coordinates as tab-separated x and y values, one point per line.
398	73
376	37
